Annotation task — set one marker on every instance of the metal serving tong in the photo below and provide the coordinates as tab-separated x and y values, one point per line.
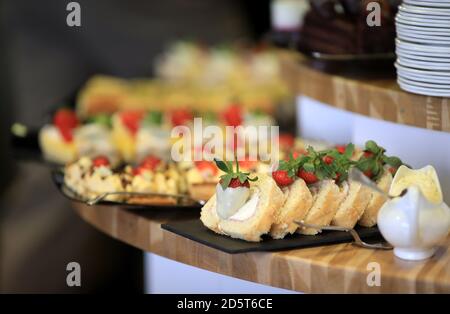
355	235
190	200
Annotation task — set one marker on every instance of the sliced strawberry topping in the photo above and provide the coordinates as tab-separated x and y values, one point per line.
100	161
181	117
281	178
233	115
392	170
139	170
131	119
206	167
368	173
235	183
299	153
308	177
368	154
150	163
65	120
286	140
328	160
340	148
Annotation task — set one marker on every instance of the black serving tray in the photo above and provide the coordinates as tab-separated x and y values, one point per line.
195	230
58	179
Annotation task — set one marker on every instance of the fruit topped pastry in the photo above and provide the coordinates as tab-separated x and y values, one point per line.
243	206
92	177
94	138
153	137
57	139
125	128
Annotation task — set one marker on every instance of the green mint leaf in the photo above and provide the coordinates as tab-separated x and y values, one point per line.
348	153
371	146
393	161
225	181
309	167
222	165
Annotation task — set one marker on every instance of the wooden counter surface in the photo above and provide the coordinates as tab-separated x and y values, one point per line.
379	98
328	269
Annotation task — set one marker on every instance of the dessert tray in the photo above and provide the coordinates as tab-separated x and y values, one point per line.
182	201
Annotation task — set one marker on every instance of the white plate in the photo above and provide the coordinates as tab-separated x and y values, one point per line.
424	22
440	74
411	52
432	36
403	54
423	90
424	18
432	3
410	9
424	38
425	79
438	31
422	47
434	86
421	40
423	65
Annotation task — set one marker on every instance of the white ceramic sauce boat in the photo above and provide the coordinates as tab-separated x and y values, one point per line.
418	221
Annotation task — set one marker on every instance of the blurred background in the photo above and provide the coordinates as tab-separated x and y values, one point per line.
44	62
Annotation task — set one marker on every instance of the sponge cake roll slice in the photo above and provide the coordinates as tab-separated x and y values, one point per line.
297	202
255	218
353	206
209	216
369	217
327	197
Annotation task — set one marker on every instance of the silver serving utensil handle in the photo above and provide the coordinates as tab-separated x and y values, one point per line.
356	175
355	235
102	196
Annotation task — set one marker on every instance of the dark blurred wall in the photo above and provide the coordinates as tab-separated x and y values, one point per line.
48	61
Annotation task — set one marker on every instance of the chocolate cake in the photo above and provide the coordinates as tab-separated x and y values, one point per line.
340	27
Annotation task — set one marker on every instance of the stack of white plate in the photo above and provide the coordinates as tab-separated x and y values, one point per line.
423	47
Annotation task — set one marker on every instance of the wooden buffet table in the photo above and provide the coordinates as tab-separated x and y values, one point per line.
333	268
327	269
377	97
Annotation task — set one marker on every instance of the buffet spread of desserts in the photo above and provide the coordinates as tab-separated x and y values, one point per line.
118	141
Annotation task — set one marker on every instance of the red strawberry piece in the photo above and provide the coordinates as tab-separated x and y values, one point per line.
235	183
392	170
368	154
233	115
281	178
150	162
100	161
206	167
286	140
368	173
340	148
131	119
65	120
328	160
138	170
338	175
299	153
308	177
181	116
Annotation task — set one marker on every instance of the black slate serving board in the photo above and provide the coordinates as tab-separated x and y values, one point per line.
194	230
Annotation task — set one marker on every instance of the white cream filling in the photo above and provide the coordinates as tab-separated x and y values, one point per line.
248	210
230	200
